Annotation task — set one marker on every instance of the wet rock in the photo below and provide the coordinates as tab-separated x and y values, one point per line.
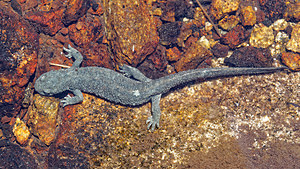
260	15
199	17
279	46
42	118
47	22
219	7
293	10
88	29
13	156
96	8
185	32
149	70
75	10
194	55
158	58
220	50
131	31
176	10
234	37
18	59
294	42
21	131
16	6
261	36
96	55
229	22
168	33
280	25
274	9
250	57
173	54
292	60
248	17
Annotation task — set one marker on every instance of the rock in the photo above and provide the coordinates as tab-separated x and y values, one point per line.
234	37
21	131
294	43
219	7
250	57
88	29
75	10
199	17
279	46
229	22
194	55
158	58
293	10
96	55
168	33
42	118
280	25
220	50
248	17
176	10
48	22
292	60
274	9
185	32
14	156
173	54
131	31
18	59
261	36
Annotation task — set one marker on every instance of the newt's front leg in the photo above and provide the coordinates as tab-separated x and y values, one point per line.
75	54
73	100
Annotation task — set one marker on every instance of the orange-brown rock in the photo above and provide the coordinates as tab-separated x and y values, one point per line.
21	131
292	60
173	54
248	16
220	7
131	31
294	43
88	29
194	55
234	37
18	60
293	10
229	22
48	22
75	10
42	117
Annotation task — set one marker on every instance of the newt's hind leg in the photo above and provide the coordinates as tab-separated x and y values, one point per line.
154	119
134	72
75	54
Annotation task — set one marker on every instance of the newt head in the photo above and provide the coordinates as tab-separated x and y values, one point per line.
50	83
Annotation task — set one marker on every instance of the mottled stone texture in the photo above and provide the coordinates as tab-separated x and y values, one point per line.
294	43
130	30
42	118
261	36
220	7
18	59
292	60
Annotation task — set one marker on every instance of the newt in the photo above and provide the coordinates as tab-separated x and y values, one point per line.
127	87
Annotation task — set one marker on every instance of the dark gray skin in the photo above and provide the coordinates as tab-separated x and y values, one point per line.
130	88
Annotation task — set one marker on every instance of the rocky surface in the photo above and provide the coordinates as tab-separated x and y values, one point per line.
237	122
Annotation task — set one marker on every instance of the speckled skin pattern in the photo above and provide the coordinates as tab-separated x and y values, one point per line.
129	88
